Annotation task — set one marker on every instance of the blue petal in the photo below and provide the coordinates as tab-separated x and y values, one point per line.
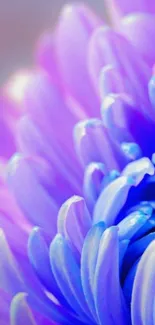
39	256
67	275
111	200
131	150
128	283
93	178
74	221
88	263
123	246
136	249
143	294
131	224
109	301
138	169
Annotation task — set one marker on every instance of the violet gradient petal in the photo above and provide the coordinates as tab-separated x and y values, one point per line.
93	178
110	48
74	221
75	27
121	7
110	81
38	252
20	313
143	294
94	145
109	300
140	30
29	180
67	274
119	115
111	200
33	142
11	280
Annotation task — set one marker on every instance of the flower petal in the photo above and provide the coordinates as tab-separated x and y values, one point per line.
111	200
74	221
143	293
39	257
140	30
75	27
93	179
88	263
130	225
110	48
67	274
20	313
94	145
29	181
109	302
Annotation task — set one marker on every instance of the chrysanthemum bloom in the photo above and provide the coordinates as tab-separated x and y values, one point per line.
99	268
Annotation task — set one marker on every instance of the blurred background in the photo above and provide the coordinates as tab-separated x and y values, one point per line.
21	23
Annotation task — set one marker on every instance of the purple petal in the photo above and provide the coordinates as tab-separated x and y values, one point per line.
110	48
119	115
140	30
29	181
109	302
73	32
20	313
124	7
110	81
111	200
34	143
143	294
93	144
10	278
74	221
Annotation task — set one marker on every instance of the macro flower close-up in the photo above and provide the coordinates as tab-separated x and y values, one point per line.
77	173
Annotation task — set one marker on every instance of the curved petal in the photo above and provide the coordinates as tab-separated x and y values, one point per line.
93	178
39	257
110	48
74	221
130	225
143	294
29	181
109	301
119	115
111	200
75	27
88	263
93	144
20	312
67	274
121	7
140	30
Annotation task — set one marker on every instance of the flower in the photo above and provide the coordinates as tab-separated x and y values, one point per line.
95	261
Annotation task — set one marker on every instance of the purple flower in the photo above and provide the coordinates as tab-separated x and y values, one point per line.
93	256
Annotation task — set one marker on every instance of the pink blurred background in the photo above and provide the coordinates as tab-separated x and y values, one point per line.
21	23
